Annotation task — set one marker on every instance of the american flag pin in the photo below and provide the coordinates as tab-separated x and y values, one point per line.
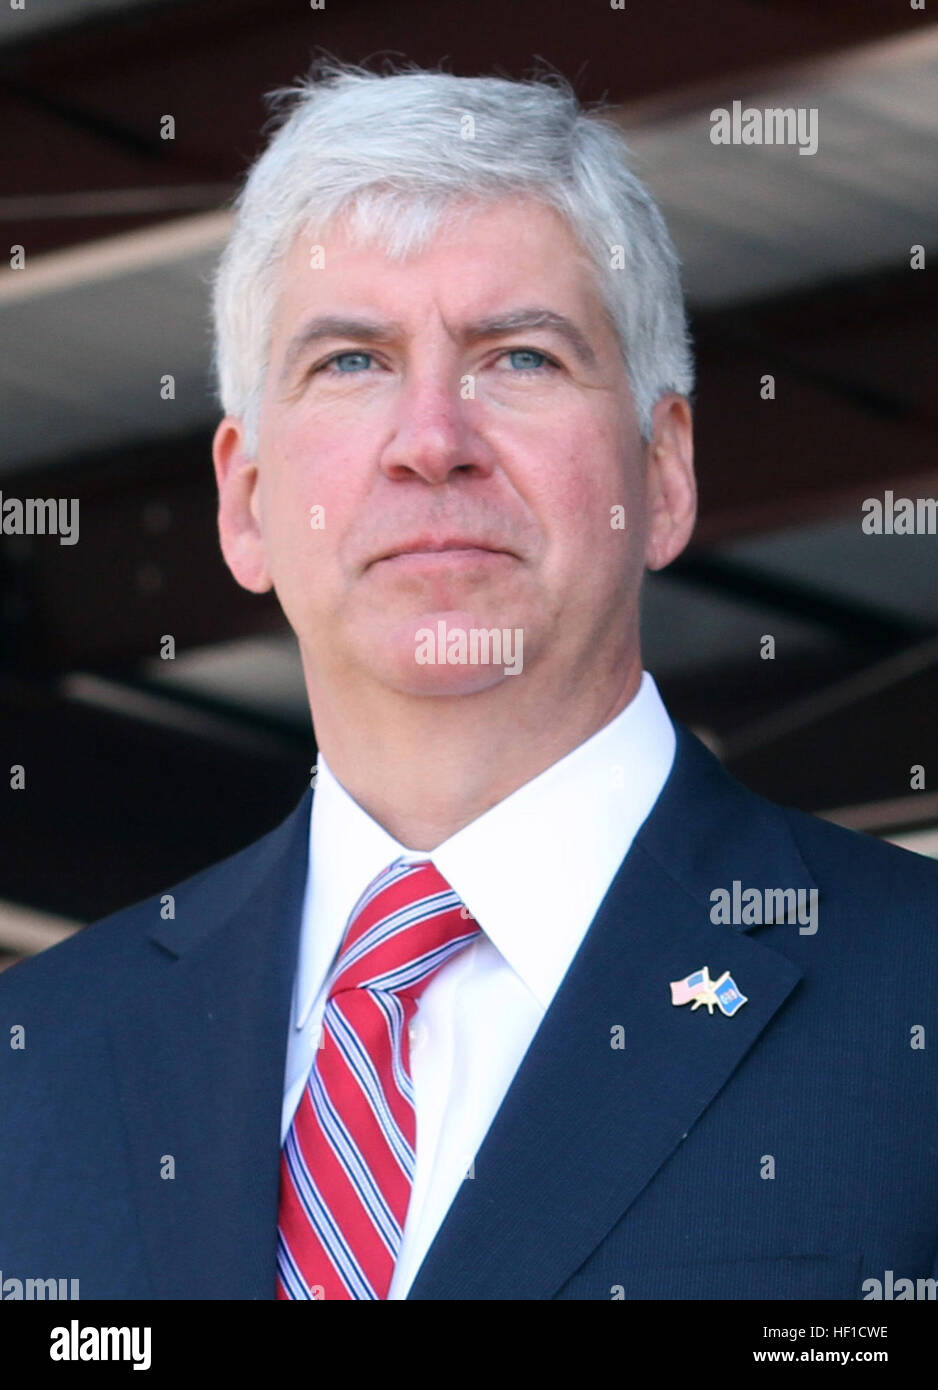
699	988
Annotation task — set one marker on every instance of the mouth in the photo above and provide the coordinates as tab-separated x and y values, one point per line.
456	546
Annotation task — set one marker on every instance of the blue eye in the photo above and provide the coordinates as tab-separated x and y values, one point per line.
527	359
357	359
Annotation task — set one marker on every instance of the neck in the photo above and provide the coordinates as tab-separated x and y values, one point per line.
424	767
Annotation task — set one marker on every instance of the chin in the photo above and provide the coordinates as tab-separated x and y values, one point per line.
401	673
453	683
417	657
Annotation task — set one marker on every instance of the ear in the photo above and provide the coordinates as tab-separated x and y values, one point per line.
239	530
670	486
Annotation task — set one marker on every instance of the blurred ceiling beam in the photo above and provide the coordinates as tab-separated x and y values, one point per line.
95	90
854	409
119	804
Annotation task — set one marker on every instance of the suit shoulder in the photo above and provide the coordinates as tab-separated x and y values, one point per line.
838	848
871	887
871	892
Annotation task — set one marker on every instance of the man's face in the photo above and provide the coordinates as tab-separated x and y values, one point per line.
428	450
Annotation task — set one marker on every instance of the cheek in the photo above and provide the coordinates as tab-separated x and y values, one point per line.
306	500
590	495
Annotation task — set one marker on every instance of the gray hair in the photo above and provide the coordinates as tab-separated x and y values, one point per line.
394	151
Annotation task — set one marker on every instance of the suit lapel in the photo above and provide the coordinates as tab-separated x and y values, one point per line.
199	1055
585	1126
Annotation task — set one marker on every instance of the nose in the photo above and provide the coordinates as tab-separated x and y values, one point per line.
436	434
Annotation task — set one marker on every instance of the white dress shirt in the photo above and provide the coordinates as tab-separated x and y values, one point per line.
532	870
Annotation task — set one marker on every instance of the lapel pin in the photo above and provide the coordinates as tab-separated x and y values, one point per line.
699	987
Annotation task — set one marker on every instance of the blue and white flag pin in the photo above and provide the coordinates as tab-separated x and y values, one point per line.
699	987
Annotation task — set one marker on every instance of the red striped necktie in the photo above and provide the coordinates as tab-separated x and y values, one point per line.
347	1165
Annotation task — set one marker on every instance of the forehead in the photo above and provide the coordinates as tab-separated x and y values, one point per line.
480	258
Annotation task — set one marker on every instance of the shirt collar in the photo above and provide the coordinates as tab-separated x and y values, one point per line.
532	869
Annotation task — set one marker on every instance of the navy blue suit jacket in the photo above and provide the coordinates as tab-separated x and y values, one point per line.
636	1171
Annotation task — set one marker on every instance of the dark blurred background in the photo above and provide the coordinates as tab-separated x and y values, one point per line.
141	770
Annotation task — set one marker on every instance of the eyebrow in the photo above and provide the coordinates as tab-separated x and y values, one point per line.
335	326
520	319
361	330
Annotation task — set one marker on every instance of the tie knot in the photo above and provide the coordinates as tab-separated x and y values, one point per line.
406	925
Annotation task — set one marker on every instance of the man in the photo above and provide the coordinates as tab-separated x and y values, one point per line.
475	1021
